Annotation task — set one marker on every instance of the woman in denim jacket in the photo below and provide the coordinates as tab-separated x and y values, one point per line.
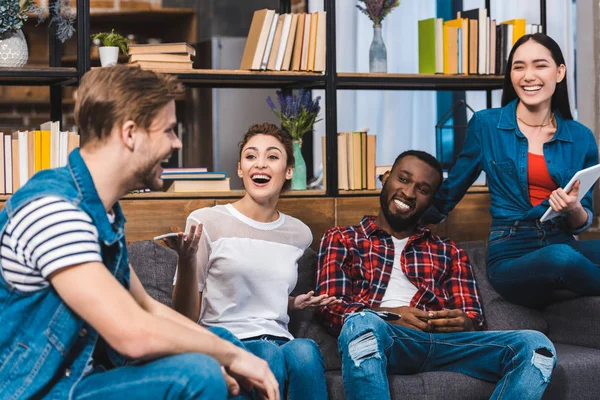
529	149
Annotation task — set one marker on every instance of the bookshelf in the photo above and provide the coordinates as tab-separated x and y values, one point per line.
331	81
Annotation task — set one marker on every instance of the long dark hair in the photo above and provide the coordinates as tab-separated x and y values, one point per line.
560	98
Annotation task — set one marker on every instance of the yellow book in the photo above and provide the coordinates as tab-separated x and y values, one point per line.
38	151
45	148
463	40
518	28
450	49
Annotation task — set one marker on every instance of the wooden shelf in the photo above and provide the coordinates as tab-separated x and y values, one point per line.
37	76
221	78
383	81
221	194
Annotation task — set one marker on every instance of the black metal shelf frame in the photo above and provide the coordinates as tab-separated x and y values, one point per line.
57	77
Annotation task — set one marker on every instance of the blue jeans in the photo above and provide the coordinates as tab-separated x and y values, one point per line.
528	260
298	362
521	362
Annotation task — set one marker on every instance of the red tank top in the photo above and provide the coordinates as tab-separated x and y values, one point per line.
541	184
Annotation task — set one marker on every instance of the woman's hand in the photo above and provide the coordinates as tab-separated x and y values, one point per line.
186	245
303	301
564	202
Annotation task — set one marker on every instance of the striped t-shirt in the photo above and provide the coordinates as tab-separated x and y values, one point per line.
43	237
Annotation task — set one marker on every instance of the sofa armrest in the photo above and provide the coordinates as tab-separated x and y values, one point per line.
574	321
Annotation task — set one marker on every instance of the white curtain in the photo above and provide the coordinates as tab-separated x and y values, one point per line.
402	120
406	120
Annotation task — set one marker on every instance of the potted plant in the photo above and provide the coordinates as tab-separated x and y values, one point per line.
14	13
297	113
111	43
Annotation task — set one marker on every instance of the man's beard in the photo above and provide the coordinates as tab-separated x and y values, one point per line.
147	176
398	223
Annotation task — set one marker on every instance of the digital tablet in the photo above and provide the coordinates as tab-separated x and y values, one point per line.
166	235
587	177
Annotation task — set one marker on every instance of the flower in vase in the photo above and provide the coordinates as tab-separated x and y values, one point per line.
377	10
297	112
14	13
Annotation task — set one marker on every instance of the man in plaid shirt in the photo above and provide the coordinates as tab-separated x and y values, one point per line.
409	301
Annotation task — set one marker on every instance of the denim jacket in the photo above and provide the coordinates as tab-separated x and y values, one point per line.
495	144
44	345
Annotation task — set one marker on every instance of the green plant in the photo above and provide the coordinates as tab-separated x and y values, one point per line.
13	14
112	39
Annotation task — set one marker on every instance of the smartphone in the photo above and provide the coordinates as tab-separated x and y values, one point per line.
388	315
166	235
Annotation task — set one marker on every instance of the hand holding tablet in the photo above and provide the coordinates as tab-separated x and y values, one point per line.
586	177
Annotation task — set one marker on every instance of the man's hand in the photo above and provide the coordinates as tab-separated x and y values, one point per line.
186	245
251	372
410	317
303	301
445	321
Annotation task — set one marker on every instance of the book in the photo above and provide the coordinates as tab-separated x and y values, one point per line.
196	185
38	150
8	175
161	57
321	42
184	170
342	140
286	64
450	49
305	41
162	65
198	176
269	45
371	154
161	48
312	44
272	62
473	46
518	29
297	51
283	41
481	15
462	24
257	39
426	43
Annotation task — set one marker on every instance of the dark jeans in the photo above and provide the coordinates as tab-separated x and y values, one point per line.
528	260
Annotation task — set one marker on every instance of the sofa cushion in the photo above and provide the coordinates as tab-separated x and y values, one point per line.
575	374
155	265
499	313
574	321
428	385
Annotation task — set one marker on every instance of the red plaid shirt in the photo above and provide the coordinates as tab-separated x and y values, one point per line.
355	265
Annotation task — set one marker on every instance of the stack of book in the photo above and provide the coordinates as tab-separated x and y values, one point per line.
23	153
471	44
356	161
194	180
286	42
162	55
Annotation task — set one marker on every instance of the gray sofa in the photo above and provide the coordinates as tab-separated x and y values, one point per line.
573	326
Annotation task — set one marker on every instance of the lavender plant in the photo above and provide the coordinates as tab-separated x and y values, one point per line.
14	13
377	10
297	112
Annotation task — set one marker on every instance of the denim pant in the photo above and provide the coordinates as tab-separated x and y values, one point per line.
298	362
521	362
183	376
528	260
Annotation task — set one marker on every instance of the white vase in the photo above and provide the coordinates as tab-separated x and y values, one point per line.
109	55
13	50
